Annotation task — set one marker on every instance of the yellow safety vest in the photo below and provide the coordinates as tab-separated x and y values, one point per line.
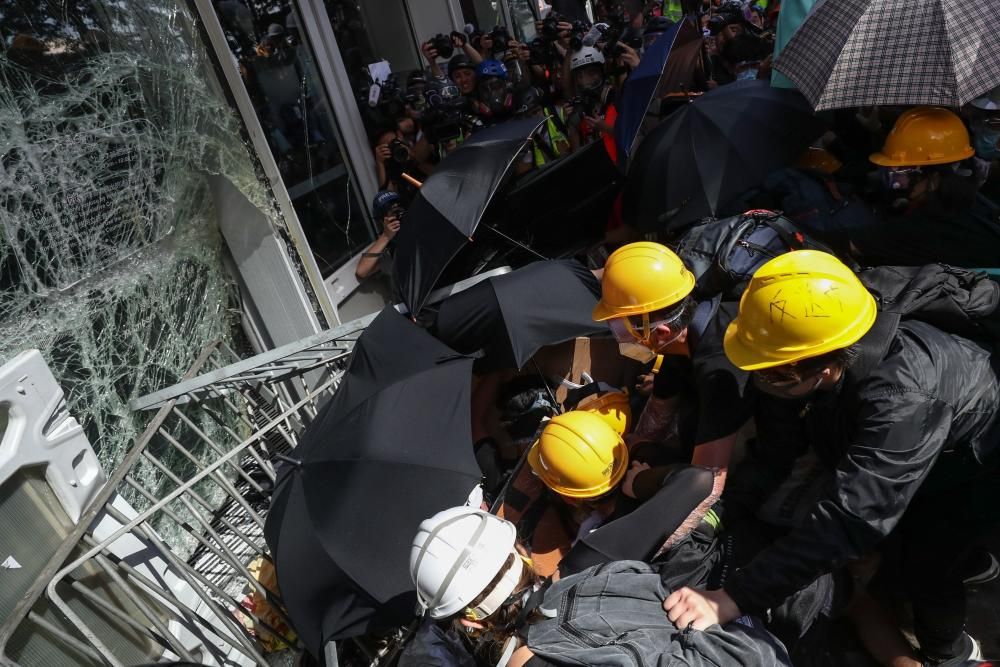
557	141
672	10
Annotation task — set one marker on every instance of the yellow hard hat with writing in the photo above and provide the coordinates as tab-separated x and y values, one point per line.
798	305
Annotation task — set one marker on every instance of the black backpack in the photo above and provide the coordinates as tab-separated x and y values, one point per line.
953	299
723	254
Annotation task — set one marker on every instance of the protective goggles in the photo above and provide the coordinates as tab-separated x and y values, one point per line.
992	122
505	592
625	331
900	178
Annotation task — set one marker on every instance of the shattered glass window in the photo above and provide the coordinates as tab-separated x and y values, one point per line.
110	254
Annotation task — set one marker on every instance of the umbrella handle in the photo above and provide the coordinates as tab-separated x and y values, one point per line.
412	181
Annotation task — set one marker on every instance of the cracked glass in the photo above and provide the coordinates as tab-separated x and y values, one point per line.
110	256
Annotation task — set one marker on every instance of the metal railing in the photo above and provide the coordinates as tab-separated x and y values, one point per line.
191	498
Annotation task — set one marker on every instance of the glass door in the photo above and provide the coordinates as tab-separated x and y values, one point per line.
278	67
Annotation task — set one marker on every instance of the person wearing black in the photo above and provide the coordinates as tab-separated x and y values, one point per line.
903	417
387	209
930	209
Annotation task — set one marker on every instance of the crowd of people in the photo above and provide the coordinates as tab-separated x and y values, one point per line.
799	446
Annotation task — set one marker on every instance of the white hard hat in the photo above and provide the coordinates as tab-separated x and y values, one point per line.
456	554
587	55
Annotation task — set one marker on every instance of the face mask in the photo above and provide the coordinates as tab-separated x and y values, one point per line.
985	142
785	392
640	353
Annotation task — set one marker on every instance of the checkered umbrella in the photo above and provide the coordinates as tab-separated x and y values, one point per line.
852	53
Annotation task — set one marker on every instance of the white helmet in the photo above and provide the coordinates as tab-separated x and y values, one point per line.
587	55
456	554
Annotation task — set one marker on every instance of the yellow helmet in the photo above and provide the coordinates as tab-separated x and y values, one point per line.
819	159
798	305
925	136
611	406
579	455
640	278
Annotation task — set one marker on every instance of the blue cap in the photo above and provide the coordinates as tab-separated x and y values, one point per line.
383	202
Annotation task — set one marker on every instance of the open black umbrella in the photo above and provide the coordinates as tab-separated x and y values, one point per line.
511	316
669	65
447	210
719	146
392	447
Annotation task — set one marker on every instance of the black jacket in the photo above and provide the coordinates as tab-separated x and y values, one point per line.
914	392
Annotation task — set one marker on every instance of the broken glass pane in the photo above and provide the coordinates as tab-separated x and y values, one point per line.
110	256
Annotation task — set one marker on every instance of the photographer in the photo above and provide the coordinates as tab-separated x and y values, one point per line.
445	46
447	119
495	97
388	211
591	114
550	142
396	154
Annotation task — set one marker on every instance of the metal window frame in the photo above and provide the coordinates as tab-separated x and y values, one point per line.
333	76
220	49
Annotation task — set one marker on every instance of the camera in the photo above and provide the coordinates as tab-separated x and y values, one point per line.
550	27
443	125
579	31
400	151
542	53
442	44
583	105
500	38
397	211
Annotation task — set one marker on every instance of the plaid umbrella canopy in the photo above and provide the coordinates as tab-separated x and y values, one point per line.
852	53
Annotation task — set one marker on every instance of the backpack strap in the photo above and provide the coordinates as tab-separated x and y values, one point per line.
702	318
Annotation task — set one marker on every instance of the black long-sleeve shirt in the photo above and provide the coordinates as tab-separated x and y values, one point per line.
881	431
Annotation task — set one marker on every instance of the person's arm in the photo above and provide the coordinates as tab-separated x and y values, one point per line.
431	54
475	56
368	264
657	419
382	153
899	435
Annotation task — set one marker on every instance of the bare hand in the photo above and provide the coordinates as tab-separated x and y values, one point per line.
390	227
630	475
687	607
599	123
382	153
629	56
429	52
644	384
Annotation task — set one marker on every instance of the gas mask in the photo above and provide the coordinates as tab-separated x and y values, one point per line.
986	141
495	98
898	184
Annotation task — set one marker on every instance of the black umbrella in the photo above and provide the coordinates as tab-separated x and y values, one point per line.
391	448
511	316
447	210
717	147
